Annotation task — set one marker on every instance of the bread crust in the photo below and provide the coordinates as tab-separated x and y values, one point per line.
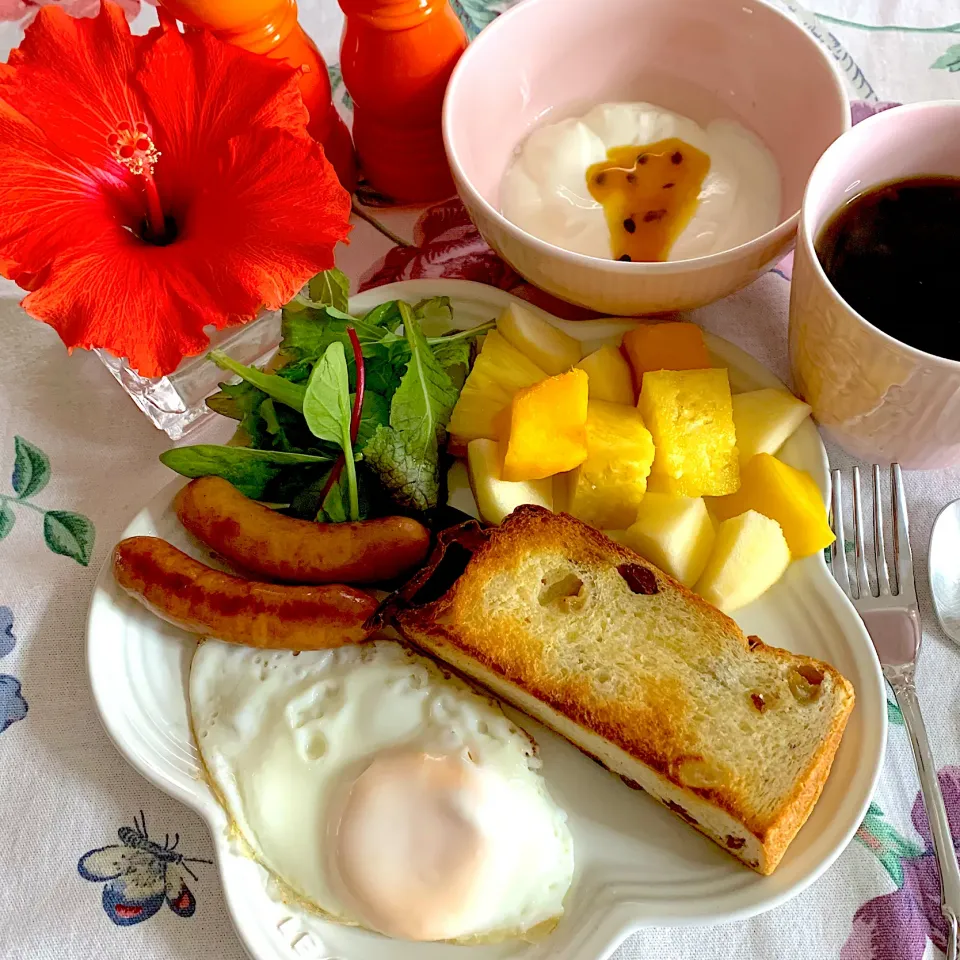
648	741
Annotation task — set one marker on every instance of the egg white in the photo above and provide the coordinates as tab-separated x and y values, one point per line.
283	735
544	191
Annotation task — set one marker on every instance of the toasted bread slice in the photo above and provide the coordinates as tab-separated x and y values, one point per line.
735	737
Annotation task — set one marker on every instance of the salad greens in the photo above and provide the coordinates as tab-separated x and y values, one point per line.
351	420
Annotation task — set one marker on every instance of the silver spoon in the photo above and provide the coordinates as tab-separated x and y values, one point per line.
945	569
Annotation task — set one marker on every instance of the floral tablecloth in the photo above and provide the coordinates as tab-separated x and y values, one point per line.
77	460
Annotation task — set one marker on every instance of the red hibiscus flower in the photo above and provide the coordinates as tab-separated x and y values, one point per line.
153	186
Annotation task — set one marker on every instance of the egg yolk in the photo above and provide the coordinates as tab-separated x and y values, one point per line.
648	194
408	852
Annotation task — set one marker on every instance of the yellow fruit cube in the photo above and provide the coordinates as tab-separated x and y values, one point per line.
497	498
749	556
665	346
674	533
690	414
606	489
548	428
765	419
784	494
549	348
610	376
498	373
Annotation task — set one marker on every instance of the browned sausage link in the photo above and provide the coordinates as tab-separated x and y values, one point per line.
215	604
265	542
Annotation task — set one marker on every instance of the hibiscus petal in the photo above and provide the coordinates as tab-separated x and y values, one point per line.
71	77
200	92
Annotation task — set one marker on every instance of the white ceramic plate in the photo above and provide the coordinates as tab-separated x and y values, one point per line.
637	864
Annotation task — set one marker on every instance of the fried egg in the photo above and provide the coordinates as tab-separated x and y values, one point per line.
382	790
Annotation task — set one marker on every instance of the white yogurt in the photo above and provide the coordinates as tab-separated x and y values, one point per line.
545	192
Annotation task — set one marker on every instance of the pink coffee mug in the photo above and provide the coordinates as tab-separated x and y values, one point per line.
877	397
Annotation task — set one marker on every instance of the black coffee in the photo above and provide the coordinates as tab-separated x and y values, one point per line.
893	254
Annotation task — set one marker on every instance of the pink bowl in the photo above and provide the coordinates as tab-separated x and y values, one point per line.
550	59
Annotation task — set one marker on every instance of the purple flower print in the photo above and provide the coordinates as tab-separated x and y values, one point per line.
896	926
7	639
861	109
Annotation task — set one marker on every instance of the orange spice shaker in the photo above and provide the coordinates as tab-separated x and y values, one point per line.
270	27
396	58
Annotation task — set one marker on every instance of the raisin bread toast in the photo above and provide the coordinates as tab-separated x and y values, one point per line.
735	737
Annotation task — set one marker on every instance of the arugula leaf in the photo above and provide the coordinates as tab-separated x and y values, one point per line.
385	315
374	413
450	353
247	469
331	288
405	454
326	408
292	394
435	314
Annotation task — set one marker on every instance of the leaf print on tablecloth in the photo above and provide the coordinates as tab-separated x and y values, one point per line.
949	60
64	532
13	707
897	925
140	875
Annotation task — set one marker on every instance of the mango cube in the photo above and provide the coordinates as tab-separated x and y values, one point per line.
498	373
690	414
610	376
548	428
606	489
784	494
749	556
765	419
497	498
549	348
665	346
674	533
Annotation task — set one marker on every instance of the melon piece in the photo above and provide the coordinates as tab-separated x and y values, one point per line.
665	346
749	556
610	376
675	534
765	419
549	348
690	414
498	373
498	498
785	494
548	428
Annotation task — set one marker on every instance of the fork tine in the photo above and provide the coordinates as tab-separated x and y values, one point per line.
879	549
903	555
838	553
863	578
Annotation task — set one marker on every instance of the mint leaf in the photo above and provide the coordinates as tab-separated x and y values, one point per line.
7	519
69	534
248	470
326	408
31	469
330	288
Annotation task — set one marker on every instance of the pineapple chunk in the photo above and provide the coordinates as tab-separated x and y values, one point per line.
549	348
498	373
785	494
690	414
610	377
750	555
665	346
606	489
764	420
548	428
497	498
674	533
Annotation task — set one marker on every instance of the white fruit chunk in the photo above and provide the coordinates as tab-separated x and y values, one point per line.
764	419
674	533
498	498
549	348
610	377
749	556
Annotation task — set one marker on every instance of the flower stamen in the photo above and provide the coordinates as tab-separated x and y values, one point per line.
134	149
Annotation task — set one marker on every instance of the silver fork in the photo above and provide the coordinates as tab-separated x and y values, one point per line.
893	623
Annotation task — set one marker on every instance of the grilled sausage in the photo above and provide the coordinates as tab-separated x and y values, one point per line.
265	542
202	600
